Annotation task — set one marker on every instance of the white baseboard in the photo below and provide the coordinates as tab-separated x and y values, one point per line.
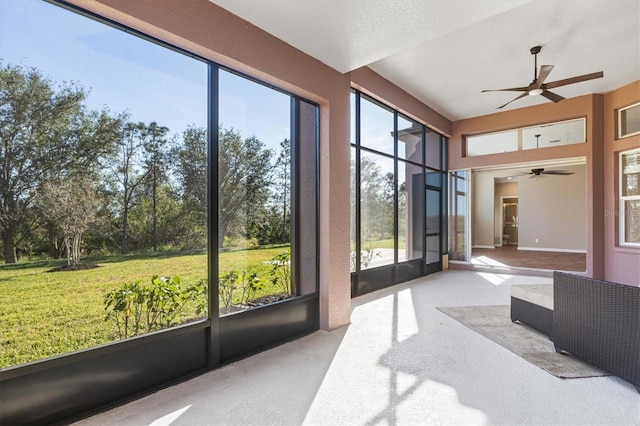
489	247
558	250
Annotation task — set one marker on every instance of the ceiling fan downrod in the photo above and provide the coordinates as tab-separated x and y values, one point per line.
534	51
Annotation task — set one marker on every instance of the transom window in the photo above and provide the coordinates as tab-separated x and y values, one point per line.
533	137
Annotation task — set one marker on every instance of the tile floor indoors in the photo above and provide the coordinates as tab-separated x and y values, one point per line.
511	256
400	361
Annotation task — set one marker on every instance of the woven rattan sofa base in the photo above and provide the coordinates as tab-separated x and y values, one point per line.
599	322
533	315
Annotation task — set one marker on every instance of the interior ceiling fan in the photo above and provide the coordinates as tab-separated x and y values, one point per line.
539	87
541	171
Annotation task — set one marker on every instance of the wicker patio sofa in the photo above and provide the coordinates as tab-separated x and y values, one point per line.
599	322
533	305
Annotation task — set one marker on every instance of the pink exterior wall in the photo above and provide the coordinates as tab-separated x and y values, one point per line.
568	109
622	264
591	107
367	81
207	30
605	258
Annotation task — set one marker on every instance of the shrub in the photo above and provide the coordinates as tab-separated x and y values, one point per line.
138	308
366	256
281	272
245	283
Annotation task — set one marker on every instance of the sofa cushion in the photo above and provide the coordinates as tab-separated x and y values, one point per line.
538	294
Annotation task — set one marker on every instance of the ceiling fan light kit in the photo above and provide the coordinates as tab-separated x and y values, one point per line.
539	87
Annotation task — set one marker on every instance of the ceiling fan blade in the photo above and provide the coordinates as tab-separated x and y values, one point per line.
521	96
572	80
552	96
558	172
511	89
542	76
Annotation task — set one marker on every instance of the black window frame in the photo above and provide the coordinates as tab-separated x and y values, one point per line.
156	360
366	280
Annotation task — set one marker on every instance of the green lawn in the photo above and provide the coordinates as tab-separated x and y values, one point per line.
388	243
49	313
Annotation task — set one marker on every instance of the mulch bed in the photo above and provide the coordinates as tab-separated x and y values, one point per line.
269	298
78	267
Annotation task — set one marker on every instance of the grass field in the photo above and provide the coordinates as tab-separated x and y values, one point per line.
49	313
388	243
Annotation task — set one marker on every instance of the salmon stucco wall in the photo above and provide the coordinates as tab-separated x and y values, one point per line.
367	81
622	264
590	107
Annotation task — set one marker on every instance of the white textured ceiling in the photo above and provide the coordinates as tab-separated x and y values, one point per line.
445	52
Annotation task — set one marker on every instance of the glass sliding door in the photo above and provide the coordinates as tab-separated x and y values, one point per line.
410	208
459	249
433	218
433	228
410	194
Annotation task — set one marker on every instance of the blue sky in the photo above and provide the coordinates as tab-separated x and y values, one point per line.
126	73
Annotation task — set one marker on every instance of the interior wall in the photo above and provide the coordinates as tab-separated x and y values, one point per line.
482	212
551	209
553	212
622	264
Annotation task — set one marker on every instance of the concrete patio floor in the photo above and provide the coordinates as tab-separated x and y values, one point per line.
400	361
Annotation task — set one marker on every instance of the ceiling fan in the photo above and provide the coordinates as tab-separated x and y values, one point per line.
541	171
539	87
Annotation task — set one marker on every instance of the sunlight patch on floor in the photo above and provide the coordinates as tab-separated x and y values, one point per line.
495	279
170	418
407	321
487	261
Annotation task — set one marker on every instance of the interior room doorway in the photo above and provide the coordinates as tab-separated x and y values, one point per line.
523	219
509	222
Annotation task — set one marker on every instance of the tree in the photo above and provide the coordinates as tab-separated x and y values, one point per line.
174	226
130	174
84	141
376	197
154	146
44	132
71	205
386	213
244	178
283	187
192	166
